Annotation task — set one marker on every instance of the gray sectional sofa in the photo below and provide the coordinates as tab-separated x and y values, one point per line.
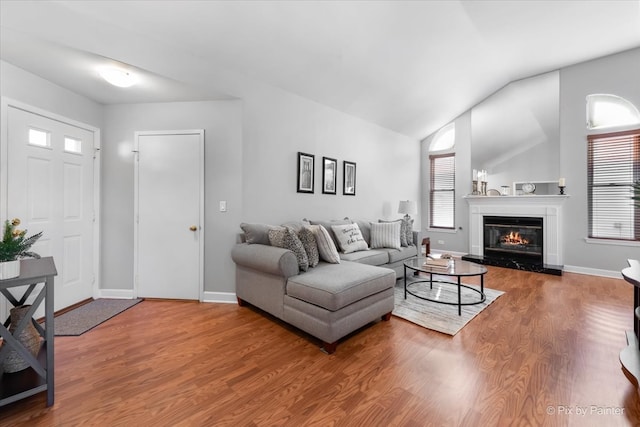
331	299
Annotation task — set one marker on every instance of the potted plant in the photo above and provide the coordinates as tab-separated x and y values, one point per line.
15	245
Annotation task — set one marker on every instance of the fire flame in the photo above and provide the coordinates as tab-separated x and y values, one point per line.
514	238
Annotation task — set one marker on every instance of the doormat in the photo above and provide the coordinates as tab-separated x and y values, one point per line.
441	317
88	316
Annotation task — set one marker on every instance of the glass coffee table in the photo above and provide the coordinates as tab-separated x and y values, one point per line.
457	269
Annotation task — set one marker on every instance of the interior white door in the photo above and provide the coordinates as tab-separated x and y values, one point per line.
50	188
170	202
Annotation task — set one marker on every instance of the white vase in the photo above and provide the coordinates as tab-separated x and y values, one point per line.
9	269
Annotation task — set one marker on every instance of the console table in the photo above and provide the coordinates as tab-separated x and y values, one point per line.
39	376
630	356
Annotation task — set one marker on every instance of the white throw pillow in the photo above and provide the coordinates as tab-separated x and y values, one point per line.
385	235
326	247
349	238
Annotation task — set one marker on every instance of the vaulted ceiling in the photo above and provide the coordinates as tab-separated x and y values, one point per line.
410	66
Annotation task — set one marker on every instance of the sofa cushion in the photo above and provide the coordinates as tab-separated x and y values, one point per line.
256	233
283	237
385	235
310	245
401	254
326	247
370	257
349	238
335	286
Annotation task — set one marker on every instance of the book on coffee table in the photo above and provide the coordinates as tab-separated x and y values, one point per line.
437	263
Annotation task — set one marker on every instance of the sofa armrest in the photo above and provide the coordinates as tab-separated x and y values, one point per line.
268	259
417	239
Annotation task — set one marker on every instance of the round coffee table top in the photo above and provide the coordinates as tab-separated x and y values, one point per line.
457	268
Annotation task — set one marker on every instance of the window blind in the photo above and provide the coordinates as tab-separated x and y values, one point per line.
442	194
613	166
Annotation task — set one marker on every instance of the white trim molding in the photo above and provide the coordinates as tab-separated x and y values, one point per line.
220	297
549	208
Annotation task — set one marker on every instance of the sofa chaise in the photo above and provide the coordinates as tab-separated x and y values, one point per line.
332	293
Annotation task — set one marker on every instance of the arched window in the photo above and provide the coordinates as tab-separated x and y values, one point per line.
606	111
444	139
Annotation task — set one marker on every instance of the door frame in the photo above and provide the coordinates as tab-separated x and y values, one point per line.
7	103
136	148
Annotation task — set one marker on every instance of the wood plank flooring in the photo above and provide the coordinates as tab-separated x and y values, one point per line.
544	354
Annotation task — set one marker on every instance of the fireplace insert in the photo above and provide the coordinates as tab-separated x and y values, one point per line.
510	238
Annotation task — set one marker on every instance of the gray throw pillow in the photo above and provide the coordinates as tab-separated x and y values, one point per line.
326	248
256	233
283	237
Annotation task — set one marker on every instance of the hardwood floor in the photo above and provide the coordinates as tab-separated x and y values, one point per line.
547	347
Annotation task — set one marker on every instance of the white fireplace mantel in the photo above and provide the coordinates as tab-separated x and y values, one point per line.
549	208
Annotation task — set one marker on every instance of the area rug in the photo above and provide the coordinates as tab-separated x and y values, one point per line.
440	317
88	316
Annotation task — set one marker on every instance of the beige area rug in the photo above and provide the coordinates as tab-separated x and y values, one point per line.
440	317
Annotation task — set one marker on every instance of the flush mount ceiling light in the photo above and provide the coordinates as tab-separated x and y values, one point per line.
118	77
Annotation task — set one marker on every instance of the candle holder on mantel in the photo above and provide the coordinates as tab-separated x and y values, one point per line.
561	187
475	191
483	188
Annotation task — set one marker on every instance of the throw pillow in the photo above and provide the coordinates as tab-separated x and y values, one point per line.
403	231
408	229
256	233
286	238
327	226
326	247
310	245
385	235
349	238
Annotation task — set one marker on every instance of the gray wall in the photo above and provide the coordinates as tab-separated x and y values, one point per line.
38	92
618	75
615	74
221	121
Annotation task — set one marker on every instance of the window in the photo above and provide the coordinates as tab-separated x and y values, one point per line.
613	166
605	111
39	138
442	197
444	139
72	145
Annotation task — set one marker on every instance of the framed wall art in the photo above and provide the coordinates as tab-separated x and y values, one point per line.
306	168
349	178
329	172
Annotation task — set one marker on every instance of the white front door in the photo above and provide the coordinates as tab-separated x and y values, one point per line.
50	187
169	214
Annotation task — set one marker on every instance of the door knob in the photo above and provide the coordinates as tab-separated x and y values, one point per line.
193	228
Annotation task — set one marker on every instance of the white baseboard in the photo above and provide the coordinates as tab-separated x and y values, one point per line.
220	297
592	271
115	293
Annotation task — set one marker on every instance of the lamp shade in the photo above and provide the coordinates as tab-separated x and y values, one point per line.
407	207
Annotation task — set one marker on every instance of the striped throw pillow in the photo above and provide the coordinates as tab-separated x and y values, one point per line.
385	235
326	247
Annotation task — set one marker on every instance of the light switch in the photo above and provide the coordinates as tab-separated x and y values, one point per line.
223	206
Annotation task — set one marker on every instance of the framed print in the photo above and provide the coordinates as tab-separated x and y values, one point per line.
329	171
349	178
306	167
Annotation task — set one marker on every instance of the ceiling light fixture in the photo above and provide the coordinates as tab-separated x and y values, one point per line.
118	77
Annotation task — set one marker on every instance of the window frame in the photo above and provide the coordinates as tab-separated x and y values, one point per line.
433	158
597	235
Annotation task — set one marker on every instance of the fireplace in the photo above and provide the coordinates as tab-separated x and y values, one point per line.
518	239
543	250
